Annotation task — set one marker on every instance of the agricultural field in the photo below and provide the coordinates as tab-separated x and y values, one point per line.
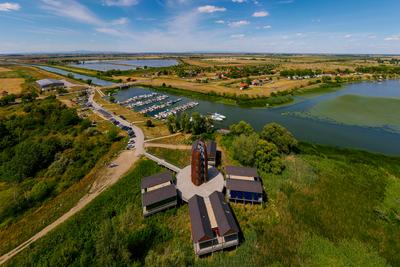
19	79
360	111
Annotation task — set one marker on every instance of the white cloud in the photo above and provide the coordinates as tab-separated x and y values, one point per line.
260	14
239	23
237	36
9	6
393	38
267	27
112	31
210	9
239	1
348	36
220	21
71	9
121	2
120	21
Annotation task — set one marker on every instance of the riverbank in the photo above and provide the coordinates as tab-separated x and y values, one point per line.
227	99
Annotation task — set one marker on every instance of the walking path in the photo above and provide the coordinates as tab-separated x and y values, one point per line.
124	162
162	162
169	146
162	137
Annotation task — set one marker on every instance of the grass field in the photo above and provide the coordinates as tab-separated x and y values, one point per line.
330	207
360	111
180	158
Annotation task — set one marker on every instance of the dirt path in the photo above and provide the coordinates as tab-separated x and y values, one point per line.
169	146
162	137
125	161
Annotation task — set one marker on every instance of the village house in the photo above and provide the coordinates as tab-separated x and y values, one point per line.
243	184
158	193
212	223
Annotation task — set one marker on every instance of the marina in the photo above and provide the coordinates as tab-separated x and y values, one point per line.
160	106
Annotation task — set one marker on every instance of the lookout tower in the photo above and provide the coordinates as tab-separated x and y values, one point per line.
199	163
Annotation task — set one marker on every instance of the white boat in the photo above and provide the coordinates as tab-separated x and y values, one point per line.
217	117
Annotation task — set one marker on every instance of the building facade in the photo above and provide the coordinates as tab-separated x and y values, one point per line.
243	184
199	163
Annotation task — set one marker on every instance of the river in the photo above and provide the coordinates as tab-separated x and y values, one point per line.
372	139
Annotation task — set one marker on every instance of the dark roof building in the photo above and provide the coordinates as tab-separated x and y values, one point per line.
158	193
156	179
47	84
243	184
201	227
211	152
223	215
241	171
213	224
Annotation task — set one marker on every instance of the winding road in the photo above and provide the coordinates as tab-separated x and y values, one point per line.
124	163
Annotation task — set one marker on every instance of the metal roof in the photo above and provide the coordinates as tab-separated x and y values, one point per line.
223	214
49	82
156	179
241	171
244	185
158	195
212	148
201	226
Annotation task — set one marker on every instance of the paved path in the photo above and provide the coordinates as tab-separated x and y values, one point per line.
163	163
187	189
124	162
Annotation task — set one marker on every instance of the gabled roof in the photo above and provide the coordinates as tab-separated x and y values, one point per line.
158	195
241	171
201	226
244	185
48	82
212	149
156	179
223	214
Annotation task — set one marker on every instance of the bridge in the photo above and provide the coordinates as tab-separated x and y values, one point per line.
162	162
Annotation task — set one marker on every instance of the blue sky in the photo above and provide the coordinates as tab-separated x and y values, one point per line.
275	26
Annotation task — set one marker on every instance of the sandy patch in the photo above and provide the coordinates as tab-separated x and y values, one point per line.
11	85
2	69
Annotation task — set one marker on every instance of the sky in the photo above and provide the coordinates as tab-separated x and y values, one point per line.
258	26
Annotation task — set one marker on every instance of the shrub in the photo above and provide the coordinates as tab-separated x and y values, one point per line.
280	136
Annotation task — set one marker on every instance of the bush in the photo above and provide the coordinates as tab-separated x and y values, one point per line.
268	158
241	128
244	149
280	136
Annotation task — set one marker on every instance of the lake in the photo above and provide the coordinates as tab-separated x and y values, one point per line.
95	80
105	65
322	132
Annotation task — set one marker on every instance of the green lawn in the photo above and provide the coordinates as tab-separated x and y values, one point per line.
360	111
180	158
330	207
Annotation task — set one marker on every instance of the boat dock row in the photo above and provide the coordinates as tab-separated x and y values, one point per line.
147	102
160	106
174	111
137	98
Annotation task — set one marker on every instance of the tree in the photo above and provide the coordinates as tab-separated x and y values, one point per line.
112	135
89	82
198	124
280	136
267	157
5	100
149	123
171	123
185	122
244	149
241	128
